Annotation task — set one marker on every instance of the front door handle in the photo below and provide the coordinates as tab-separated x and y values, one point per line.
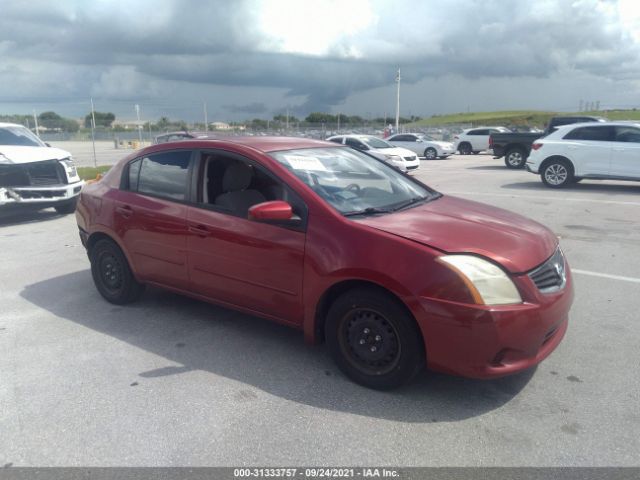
125	211
200	230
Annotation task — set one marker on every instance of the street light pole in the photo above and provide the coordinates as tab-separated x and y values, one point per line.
93	136
398	101
139	125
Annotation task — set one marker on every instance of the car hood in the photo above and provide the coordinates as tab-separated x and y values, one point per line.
402	152
439	143
19	154
454	225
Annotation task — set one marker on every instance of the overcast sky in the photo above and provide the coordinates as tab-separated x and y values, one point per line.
251	59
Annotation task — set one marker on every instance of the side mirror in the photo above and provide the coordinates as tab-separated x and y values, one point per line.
276	210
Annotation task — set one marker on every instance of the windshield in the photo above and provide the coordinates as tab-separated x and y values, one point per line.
374	142
20	136
352	182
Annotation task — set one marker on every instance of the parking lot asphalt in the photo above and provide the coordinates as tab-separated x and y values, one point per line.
169	381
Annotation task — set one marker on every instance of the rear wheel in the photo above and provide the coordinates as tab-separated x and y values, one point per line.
557	173
464	148
373	339
515	158
430	153
112	274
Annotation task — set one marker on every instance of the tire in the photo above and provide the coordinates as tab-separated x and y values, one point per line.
373	339
464	148
112	275
515	158
67	207
430	153
557	173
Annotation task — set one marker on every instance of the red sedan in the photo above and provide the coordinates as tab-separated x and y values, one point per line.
390	273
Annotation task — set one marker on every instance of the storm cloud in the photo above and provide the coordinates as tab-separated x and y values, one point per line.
309	56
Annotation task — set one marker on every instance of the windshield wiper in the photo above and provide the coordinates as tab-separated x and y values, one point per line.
413	201
367	211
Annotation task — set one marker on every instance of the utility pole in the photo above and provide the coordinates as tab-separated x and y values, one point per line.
35	119
206	121
398	101
139	125
93	136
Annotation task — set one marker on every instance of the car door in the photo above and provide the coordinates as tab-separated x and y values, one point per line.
479	139
625	152
150	216
241	262
589	149
408	141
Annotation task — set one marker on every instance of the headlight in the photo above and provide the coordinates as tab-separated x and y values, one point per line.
69	167
4	160
488	283
395	158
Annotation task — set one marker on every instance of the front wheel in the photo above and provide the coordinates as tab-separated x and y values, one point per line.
67	208
515	158
430	153
112	275
464	148
557	174
373	339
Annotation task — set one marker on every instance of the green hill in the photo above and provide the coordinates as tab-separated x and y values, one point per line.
517	117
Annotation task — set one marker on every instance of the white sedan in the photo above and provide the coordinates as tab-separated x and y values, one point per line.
401	158
608	150
423	145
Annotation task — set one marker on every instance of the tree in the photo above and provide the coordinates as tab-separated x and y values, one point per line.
102	119
319	117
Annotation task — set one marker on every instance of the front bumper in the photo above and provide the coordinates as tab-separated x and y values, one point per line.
39	196
445	152
479	341
412	164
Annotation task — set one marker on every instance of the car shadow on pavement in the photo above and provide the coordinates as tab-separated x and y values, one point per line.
584	186
12	219
270	357
490	167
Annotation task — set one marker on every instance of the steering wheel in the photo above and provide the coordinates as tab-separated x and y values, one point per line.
353	187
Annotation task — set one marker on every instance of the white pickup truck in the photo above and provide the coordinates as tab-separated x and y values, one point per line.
33	175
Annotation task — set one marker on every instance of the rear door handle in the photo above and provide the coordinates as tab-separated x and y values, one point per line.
200	230
125	211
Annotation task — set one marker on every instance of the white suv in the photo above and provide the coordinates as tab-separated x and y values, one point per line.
476	140
587	150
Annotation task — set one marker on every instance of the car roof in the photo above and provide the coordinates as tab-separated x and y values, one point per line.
264	144
619	123
6	124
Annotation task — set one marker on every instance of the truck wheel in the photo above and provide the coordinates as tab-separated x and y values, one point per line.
373	339
515	158
557	173
67	207
112	275
464	148
430	153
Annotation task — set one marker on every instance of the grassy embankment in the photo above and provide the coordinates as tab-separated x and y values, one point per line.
89	173
518	117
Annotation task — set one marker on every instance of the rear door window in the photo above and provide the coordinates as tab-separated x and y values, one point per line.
605	133
163	174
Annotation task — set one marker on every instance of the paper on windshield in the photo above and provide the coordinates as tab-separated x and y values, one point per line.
302	162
